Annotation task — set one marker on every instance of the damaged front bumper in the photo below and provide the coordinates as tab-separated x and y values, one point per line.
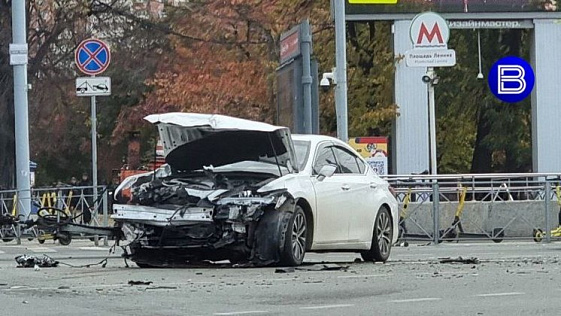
225	229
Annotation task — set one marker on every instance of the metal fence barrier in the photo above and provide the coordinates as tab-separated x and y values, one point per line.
432	208
78	203
478	206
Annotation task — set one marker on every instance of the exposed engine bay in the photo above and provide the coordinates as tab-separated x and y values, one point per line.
201	216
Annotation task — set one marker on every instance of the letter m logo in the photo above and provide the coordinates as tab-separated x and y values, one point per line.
434	32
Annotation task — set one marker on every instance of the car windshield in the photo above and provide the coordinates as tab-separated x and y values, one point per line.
265	165
302	148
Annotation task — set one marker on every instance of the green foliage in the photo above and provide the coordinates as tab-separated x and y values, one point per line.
466	106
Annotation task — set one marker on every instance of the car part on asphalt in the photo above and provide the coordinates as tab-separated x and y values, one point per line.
323	267
472	260
132	282
27	261
56	224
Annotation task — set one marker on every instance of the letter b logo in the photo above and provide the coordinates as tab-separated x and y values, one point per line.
511	79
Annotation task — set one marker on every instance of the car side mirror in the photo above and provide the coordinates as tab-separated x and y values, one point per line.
326	171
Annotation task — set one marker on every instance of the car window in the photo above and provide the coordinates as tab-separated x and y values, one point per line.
325	156
302	149
348	162
361	165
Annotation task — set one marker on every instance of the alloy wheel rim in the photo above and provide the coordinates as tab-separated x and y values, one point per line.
384	229
299	236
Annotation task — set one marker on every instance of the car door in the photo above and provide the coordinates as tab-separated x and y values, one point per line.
331	198
360	211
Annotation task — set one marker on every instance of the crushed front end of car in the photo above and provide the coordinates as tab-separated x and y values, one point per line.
206	203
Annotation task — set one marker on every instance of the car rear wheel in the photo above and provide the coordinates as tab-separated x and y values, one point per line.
381	238
295	239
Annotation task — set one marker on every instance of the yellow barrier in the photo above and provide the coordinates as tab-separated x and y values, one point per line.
460	208
14	205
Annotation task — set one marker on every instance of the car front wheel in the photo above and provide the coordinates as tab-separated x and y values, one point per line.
295	239
381	238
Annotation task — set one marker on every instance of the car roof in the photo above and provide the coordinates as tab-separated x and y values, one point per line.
314	139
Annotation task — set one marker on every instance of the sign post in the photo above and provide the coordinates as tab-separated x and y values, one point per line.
341	105
429	34
18	59
92	57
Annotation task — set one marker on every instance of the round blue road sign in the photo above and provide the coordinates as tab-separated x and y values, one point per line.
511	79
92	56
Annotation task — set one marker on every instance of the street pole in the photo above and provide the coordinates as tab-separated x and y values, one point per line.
94	151
432	122
306	37
18	58
341	70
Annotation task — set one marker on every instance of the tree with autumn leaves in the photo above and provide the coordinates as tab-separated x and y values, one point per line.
223	60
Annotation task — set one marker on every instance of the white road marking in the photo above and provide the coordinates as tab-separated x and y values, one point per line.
285	279
94	248
1	252
242	313
41	249
500	294
425	299
446	273
362	276
327	306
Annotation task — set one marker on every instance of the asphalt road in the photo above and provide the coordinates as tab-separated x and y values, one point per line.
511	278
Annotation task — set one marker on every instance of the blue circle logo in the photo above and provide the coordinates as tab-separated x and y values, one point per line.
511	79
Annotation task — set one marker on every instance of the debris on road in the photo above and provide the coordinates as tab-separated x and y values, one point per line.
27	261
163	287
131	282
323	267
472	260
285	270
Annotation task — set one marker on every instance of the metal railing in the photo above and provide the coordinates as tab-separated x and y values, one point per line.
432	208
478	206
78	203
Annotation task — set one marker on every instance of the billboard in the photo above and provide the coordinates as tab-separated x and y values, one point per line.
374	149
454	6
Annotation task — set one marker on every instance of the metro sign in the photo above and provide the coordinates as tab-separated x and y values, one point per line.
429	31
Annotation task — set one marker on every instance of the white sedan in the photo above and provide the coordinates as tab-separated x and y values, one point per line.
252	193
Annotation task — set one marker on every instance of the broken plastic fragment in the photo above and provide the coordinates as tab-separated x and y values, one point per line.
27	261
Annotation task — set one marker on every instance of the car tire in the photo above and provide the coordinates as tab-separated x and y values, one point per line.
144	265
381	238
294	249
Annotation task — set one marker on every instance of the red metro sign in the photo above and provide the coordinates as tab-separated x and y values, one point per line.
429	30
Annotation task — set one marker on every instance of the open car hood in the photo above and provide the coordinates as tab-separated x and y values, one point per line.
193	140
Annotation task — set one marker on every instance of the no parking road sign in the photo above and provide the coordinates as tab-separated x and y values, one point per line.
92	56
